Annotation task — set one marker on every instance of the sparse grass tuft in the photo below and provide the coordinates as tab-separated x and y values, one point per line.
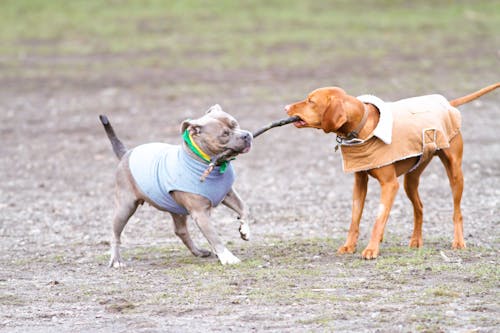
443	292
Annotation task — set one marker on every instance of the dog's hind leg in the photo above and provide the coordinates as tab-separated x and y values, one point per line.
126	204
452	161
182	232
123	211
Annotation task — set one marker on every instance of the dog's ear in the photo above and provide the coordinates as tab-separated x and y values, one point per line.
334	116
191	125
215	107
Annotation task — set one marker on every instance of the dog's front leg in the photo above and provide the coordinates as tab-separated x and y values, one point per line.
234	202
358	202
388	180
199	208
202	219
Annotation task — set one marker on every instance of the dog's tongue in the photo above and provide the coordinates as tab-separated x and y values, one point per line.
300	123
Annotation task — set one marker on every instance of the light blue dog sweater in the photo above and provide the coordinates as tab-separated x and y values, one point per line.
159	168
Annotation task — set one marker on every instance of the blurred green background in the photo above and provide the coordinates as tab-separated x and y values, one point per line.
334	39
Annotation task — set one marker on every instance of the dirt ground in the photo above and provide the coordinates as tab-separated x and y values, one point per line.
57	198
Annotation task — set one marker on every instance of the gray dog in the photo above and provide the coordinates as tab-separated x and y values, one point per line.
168	178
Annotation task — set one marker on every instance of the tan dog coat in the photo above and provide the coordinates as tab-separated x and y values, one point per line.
420	126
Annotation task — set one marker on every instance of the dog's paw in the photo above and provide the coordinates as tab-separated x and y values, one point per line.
227	258
202	253
244	231
370	253
458	245
416	243
116	259
116	263
346	249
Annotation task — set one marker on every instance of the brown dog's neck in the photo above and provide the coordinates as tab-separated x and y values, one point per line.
355	122
371	122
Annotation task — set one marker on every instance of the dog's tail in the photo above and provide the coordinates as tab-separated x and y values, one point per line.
118	146
466	99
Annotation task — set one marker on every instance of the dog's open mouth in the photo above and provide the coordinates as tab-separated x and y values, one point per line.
246	149
299	123
230	153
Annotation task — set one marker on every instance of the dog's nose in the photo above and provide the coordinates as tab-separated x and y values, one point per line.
246	136
287	108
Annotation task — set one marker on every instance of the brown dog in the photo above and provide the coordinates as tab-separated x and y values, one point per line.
386	140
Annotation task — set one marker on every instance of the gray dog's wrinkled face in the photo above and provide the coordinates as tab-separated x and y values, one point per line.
218	131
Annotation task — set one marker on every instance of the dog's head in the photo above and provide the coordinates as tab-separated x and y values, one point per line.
324	108
218	131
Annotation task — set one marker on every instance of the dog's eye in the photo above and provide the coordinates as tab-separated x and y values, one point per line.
225	133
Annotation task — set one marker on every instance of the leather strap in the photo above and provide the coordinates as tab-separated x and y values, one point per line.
354	133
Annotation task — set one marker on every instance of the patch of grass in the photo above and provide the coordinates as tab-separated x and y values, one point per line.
403	257
8	299
485	272
23	261
102	258
483	277
325	321
432	321
59	258
443	292
141	251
